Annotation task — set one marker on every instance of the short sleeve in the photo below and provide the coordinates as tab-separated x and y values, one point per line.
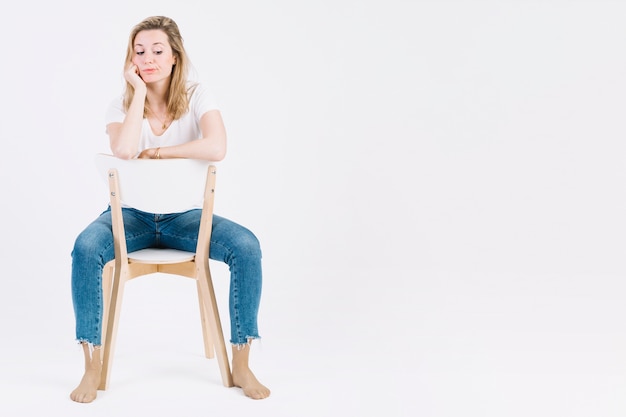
115	112
202	101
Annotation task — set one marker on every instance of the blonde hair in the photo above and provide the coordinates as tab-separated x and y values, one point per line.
177	93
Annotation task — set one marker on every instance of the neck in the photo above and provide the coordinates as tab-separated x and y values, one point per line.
156	102
156	95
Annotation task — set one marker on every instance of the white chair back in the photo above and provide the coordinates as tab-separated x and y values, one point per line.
157	185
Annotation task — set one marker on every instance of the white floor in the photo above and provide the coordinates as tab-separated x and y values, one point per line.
373	343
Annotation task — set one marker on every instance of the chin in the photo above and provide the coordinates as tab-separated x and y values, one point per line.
153	78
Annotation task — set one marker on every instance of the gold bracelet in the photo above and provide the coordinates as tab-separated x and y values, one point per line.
156	155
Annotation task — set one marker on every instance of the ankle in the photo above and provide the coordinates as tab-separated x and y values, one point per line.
94	367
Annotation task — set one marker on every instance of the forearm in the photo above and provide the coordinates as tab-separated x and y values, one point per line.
206	148
125	141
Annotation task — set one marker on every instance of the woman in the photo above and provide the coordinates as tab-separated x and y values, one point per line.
163	115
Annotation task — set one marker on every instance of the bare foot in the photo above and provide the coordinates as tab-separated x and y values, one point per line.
245	379
243	376
87	389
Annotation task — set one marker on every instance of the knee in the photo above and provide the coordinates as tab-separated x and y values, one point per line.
83	248
241	244
88	246
247	244
230	240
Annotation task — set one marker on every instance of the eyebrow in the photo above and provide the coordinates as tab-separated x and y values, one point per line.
156	43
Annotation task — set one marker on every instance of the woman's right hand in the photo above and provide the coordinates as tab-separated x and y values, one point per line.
132	76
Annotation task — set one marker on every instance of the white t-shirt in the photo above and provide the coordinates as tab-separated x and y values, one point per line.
180	131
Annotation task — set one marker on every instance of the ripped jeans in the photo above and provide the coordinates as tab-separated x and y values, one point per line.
230	243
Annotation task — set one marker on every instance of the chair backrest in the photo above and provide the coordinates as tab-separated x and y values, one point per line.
158	186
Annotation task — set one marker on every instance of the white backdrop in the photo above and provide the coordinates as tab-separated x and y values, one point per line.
437	182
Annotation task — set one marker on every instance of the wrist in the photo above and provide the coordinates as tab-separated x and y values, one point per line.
157	153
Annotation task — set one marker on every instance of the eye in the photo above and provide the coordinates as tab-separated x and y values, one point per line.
139	52
158	52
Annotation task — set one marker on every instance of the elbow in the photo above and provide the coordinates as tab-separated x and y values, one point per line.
217	152
219	155
124	153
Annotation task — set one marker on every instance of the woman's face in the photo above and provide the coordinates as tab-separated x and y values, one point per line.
153	55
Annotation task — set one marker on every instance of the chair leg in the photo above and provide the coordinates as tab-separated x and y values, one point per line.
210	305
205	320
107	282
112	320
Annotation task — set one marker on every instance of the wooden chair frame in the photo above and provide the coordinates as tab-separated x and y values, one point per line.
127	266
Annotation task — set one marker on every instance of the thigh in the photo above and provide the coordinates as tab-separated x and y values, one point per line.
180	230
227	237
96	238
230	239
138	230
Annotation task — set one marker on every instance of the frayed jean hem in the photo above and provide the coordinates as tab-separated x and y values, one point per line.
248	342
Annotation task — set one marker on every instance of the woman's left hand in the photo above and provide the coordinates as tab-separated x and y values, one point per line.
150	153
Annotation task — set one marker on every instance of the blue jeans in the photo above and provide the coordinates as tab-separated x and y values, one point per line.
230	243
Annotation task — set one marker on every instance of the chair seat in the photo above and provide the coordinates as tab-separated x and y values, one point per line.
160	256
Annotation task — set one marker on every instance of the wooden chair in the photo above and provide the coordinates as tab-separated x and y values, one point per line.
160	186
